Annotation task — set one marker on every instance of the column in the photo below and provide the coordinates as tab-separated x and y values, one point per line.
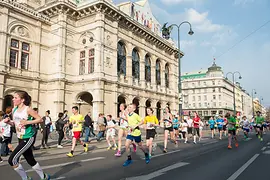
3	39
142	67
129	63
142	110
153	71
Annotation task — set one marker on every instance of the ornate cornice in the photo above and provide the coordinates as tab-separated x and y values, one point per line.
111	11
12	4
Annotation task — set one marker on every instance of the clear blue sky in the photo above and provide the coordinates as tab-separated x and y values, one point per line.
218	25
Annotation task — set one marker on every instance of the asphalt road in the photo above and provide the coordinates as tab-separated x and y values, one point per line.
208	160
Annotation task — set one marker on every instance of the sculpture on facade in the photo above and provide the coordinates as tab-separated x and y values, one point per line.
166	31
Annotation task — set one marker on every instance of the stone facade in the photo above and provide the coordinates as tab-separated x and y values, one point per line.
66	54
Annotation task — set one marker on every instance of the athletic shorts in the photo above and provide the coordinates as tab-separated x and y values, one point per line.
137	139
212	128
184	134
196	131
233	132
224	127
246	129
259	126
189	130
77	134
176	128
168	128
150	133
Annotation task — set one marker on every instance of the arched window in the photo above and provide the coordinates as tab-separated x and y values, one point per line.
121	59
158	79
167	75
147	68
135	64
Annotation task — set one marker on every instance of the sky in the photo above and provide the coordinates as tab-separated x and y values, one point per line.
223	29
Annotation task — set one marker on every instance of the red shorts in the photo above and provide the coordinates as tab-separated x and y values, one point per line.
77	134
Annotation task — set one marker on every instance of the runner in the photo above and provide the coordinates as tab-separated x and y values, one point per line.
246	126
212	123
167	120
25	134
190	126
134	133
176	126
76	120
201	130
259	124
232	129
151	122
123	125
196	125
220	123
225	126
184	130
5	135
110	132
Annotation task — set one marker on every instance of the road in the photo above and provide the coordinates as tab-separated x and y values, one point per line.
207	160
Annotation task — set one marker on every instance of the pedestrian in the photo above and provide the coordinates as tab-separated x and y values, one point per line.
101	126
212	123
25	134
5	136
45	129
184	130
77	121
196	127
151	122
59	125
88	124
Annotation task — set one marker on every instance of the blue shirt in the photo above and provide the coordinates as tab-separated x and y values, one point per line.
221	121
175	123
212	123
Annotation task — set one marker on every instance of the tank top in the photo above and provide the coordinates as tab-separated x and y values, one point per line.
167	123
23	132
123	123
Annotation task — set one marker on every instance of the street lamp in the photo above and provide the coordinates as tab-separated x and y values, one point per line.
233	78
80	102
166	32
252	95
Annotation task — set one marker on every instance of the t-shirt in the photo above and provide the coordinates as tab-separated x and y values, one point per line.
231	126
77	122
148	120
246	124
212	123
196	122
4	129
225	121
184	126
220	123
175	123
189	122
259	120
110	123
133	120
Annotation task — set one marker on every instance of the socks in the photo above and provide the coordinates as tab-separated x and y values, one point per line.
129	157
84	145
71	152
39	171
21	171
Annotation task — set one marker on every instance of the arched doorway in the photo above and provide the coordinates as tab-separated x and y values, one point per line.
120	100
136	101
158	110
147	104
7	102
85	103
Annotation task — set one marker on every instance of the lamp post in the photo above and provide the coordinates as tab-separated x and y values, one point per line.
80	102
179	63
261	99
233	78
252	95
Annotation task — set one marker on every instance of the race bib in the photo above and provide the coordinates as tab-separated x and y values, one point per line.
168	124
20	130
259	125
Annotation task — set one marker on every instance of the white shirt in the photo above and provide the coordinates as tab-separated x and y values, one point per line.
4	129
189	122
48	120
246	123
184	127
110	123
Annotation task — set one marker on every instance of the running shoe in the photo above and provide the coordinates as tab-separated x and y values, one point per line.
46	177
134	147
1	160
236	145
147	159
127	162
150	156
115	147
165	150
118	154
229	147
109	147
86	148
70	155
261	139
29	178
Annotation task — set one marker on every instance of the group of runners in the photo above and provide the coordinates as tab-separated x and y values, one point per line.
129	126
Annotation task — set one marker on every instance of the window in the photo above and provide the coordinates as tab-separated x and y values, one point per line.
193	98
218	82
205	113
167	75
135	64
121	59
204	83
219	89
199	90
19	56
213	82
219	97
158	79
147	68
215	104
205	104
214	96
205	97
82	63
193	84
205	90
199	83
193	91
220	104
199	98
200	104
194	105
214	90
91	61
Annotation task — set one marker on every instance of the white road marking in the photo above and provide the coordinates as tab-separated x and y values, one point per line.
242	169
266	152
58	178
69	163
268	143
170	152
263	148
212	142
158	172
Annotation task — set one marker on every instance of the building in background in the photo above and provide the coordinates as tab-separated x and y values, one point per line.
91	53
209	93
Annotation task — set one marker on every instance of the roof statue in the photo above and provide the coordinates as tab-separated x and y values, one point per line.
166	31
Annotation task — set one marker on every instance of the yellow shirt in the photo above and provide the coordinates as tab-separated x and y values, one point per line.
133	120
77	122
148	120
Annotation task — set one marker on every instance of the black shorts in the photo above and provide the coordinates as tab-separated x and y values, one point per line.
176	128
259	127
150	133
196	131
212	128
233	132
220	129
184	134
224	127
189	130
169	128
